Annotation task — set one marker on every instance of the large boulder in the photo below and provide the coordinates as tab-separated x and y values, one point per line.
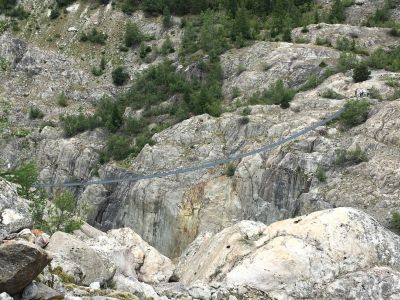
14	211
329	254
77	259
20	263
132	256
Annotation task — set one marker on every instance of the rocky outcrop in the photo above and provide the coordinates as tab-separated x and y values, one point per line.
329	254
132	256
267	187
14	211
20	263
78	260
256	67
366	38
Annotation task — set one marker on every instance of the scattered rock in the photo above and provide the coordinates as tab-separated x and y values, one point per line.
79	260
14	210
20	263
5	296
95	285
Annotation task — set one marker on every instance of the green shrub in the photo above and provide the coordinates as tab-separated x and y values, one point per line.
120	76
395	221
361	73
385	59
134	126
331	94
355	113
63	215
347	61
97	71
133	36
74	124
167	20
312	82
375	94
118	147
167	47
351	157
128	6
279	94
62	100
344	44
246	111
320	174
230	170
393	83
35	113
394	32
244	120
54	13
94	36
322	42
337	13
25	176
144	50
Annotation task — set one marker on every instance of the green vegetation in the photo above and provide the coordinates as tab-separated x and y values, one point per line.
381	17
385	59
351	157
347	61
230	170
167	47
94	36
98	71
25	176
320	174
331	94
337	14
133	36
375	94
11	9
62	214
393	83
3	64
277	94
64	277
35	113
361	73
4	26
355	113
120	76
62	100
395	222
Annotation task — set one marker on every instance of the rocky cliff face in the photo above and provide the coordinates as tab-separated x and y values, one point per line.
306	257
210	215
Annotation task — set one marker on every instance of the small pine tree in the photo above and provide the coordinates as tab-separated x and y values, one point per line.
133	35
119	76
167	19
337	14
361	73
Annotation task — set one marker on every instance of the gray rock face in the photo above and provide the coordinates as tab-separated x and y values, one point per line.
256	67
328	254
20	263
170	212
14	211
367	38
79	260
